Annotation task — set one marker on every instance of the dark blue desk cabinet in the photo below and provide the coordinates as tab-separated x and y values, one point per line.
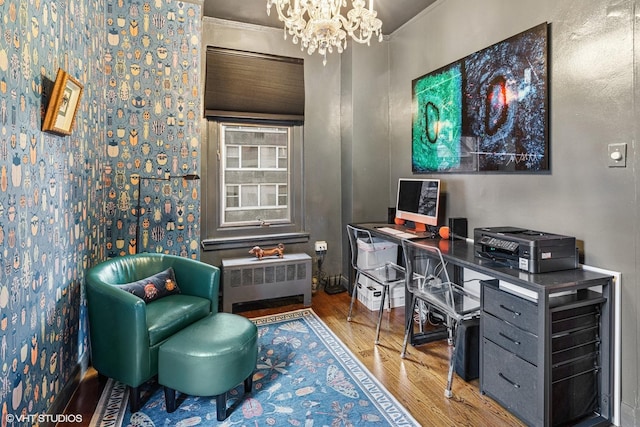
546	349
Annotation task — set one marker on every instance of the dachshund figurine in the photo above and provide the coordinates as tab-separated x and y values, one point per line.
260	253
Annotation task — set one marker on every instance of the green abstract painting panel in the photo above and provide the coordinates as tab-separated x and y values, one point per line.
437	120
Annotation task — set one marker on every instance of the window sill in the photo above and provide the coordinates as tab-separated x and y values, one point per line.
248	241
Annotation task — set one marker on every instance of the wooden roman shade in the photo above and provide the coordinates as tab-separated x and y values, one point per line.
250	85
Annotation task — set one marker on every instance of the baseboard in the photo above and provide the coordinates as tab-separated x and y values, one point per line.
628	415
66	393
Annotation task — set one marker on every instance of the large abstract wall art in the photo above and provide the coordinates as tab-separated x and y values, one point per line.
437	120
487	112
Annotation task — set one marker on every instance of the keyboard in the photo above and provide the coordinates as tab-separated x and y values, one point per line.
397	233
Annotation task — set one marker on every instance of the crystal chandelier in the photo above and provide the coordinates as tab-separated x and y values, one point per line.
318	24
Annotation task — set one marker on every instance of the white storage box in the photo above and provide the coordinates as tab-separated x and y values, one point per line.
375	254
371	295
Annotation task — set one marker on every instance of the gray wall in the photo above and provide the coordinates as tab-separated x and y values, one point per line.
356	99
321	136
365	135
592	103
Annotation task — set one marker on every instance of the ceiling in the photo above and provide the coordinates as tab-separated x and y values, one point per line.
392	13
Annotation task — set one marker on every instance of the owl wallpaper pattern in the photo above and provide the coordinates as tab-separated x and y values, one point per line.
69	202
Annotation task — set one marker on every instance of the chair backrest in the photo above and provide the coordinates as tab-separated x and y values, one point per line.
428	278
129	268
424	264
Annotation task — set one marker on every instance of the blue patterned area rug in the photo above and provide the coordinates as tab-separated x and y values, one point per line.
305	376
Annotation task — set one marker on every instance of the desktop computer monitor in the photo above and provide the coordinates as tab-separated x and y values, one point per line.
418	201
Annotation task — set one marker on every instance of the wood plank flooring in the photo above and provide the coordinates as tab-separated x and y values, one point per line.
418	381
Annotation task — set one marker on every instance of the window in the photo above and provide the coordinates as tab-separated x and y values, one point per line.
252	182
255	174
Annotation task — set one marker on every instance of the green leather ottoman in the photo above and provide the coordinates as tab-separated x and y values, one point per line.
209	358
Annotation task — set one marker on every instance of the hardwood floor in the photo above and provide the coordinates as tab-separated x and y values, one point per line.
418	381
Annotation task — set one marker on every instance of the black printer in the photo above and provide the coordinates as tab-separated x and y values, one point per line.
528	250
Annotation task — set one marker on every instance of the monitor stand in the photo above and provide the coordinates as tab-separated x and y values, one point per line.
419	227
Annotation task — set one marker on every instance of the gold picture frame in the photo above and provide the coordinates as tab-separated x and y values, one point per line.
63	104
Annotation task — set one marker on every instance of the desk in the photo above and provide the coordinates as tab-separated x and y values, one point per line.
548	289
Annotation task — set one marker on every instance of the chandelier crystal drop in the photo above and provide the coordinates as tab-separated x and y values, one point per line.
319	26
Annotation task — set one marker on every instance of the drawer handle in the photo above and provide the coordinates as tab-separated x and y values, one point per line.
515	385
509	338
515	313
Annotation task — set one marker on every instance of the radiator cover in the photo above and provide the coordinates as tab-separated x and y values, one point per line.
250	279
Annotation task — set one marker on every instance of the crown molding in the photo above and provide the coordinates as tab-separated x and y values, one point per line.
238	25
197	2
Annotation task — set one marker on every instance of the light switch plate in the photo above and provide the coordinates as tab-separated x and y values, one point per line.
619	150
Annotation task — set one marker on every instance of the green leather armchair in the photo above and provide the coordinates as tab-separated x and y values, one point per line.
125	332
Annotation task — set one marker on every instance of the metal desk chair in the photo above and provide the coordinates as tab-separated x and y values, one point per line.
428	281
382	273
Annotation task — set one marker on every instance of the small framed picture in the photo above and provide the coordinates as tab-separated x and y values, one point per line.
63	104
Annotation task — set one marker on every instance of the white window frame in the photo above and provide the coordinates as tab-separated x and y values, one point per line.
215	229
243	205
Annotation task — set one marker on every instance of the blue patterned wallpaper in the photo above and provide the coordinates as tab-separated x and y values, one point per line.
67	203
152	66
50	205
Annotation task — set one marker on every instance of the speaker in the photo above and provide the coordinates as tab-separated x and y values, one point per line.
391	215
457	228
467	363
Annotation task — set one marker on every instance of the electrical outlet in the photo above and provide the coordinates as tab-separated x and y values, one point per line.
321	246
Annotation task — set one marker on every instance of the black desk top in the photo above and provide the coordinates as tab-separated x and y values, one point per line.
462	253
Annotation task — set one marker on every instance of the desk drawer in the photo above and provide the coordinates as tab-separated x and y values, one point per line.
509	380
574	353
575	393
574	368
524	344
567	340
513	309
584	317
